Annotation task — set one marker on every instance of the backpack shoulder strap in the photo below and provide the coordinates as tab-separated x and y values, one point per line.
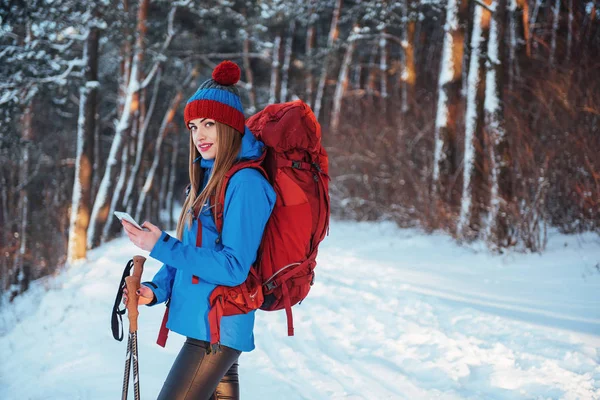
220	198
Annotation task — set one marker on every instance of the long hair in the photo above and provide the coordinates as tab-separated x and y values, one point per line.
229	142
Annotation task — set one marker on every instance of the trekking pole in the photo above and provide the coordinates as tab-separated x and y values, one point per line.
133	284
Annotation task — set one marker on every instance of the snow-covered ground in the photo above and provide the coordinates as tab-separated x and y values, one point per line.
394	314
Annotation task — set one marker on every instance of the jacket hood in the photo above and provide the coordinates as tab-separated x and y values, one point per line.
251	149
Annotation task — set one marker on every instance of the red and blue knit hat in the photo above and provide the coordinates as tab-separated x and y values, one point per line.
218	98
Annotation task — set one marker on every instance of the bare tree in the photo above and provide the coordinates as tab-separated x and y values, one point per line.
409	74
86	129
171	185
101	204
248	72
555	23
569	29
20	273
286	61
310	44
333	34
162	132
500	227
275	71
383	65
448	108
474	193
139	148
342	81
100	211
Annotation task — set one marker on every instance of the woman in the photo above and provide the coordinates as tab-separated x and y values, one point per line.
194	265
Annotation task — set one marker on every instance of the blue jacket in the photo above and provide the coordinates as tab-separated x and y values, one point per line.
249	201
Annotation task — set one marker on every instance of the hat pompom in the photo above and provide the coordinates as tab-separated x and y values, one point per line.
227	73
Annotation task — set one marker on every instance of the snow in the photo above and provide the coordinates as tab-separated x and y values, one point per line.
7	96
393	314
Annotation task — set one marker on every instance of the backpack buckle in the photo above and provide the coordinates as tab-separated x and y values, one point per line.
296	164
271	285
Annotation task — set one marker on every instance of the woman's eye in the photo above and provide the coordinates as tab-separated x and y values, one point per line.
209	124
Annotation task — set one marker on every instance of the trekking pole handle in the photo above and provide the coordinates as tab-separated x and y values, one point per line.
133	284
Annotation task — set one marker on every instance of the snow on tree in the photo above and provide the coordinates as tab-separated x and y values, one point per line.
449	97
86	126
500	225
474	180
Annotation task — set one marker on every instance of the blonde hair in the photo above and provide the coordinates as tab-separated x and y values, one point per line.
229	142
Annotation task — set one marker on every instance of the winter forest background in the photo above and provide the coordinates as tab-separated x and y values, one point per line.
479	118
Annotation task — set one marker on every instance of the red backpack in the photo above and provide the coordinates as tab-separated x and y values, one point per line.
296	165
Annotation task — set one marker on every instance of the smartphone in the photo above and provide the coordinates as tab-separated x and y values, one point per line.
123	215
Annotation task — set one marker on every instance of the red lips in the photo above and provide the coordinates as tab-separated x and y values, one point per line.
204	147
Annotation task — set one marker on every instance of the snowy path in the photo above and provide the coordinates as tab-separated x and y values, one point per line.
394	314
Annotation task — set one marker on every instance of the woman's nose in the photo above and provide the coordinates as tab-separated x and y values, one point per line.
198	135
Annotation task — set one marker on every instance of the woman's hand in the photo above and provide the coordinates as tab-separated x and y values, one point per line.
145	240
145	295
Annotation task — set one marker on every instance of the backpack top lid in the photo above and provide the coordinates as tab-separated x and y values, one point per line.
287	126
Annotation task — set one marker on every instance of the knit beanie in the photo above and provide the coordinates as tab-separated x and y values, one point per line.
218	98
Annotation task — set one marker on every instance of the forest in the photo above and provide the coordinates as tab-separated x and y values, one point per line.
477	118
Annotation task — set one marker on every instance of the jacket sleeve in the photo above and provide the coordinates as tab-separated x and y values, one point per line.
249	200
161	284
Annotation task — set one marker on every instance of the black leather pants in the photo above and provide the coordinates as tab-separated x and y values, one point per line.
198	375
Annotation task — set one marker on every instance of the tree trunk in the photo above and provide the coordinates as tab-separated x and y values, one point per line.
275	73
19	274
333	34
449	99
342	83
356	75
286	62
125	67
171	189
512	52
163	193
500	226
111	223
139	150
524	7
101	204
519	27
96	165
372	72
86	130
164	126
570	30
475	188
409	75
4	237
555	23
534	15
383	67
249	75
310	44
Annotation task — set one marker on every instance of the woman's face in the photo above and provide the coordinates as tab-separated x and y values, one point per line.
204	134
